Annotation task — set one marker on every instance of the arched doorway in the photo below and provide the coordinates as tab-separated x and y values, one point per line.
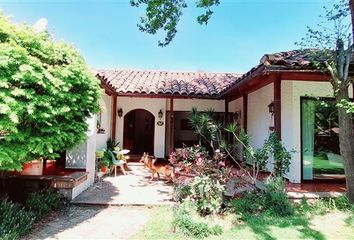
139	128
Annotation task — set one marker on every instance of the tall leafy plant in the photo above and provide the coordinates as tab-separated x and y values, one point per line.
46	94
208	130
254	160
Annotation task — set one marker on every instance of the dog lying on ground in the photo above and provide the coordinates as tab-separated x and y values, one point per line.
158	166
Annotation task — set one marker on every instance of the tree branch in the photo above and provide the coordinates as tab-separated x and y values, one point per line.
334	80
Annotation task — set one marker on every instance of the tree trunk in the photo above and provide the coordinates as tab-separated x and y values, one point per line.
346	141
351	5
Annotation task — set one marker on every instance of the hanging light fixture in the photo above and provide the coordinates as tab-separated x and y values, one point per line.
120	112
271	108
160	114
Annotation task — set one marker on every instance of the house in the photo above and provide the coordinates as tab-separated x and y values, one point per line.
148	111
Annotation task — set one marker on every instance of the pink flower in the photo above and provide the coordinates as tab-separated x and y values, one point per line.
222	164
200	162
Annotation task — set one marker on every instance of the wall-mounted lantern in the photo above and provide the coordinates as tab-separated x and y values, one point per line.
160	114
120	112
271	108
237	116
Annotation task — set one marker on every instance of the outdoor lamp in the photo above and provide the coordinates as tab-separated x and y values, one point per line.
271	108
120	112
160	114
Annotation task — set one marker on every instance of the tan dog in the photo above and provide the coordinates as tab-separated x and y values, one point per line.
145	159
158	166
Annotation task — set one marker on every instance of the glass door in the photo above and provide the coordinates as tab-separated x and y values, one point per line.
321	157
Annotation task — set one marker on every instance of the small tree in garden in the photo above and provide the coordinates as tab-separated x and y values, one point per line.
333	52
208	130
254	161
46	94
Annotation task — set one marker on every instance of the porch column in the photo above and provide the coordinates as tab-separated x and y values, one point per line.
277	106
244	111
172	126
226	112
114	117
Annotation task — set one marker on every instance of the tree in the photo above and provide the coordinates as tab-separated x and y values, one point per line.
332	53
46	94
165	14
351	5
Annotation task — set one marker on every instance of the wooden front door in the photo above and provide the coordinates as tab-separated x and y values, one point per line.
139	128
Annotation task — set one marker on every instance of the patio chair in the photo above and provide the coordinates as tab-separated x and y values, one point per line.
121	155
117	163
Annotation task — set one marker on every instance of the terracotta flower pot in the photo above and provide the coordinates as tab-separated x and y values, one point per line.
104	169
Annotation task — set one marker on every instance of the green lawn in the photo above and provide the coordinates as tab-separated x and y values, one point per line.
332	225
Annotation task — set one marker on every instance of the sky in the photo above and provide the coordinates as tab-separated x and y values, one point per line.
238	35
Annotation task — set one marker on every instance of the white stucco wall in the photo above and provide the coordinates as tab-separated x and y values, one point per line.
237	106
200	104
291	92
106	121
90	158
153	105
258	117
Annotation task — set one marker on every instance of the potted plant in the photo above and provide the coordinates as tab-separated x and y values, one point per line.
105	162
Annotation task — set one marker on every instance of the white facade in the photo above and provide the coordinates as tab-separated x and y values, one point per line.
154	105
258	117
259	120
236	106
291	93
106	121
200	104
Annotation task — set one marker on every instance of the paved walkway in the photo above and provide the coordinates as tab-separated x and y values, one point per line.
94	222
136	188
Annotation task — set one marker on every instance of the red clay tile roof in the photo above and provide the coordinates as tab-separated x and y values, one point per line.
196	84
291	59
202	84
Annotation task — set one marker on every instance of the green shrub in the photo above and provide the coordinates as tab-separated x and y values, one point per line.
182	190
250	203
42	202
276	199
15	221
272	199
342	203
216	230
323	205
279	204
190	226
207	194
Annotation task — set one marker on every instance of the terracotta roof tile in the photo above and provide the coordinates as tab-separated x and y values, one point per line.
195	84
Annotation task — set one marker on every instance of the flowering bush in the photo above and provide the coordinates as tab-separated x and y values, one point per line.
207	193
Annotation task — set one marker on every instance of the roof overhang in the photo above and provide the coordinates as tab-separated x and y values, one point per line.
264	75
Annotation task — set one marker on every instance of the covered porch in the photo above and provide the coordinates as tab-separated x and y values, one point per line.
149	110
